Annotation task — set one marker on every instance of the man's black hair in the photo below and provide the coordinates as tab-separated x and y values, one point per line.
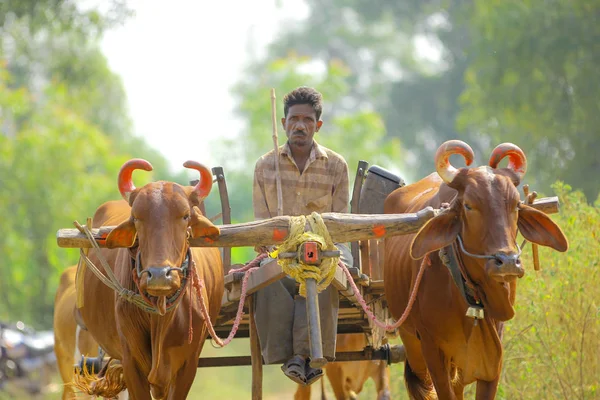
303	95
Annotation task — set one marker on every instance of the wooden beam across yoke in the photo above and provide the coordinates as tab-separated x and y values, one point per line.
341	226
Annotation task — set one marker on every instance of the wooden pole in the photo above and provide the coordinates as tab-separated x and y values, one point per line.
255	353
342	228
529	200
276	146
315	340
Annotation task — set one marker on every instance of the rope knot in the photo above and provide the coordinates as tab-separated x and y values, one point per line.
295	268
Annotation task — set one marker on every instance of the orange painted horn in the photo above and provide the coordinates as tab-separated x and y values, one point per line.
126	186
442	158
203	187
516	158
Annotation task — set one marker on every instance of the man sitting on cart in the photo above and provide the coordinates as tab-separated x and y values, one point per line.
313	179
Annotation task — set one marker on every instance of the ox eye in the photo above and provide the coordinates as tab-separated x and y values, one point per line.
468	207
186	217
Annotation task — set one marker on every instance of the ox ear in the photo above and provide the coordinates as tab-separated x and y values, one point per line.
123	235
201	226
436	233
539	228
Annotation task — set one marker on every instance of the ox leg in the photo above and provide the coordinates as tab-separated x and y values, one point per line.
486	389
64	359
337	379
416	375
438	367
185	379
302	393
137	383
381	376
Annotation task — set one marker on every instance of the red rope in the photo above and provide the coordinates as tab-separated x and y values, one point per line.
411	300
250	267
198	284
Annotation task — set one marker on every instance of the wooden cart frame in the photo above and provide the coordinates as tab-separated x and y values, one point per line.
367	274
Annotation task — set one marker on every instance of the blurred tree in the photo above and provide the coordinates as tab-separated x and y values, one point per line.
528	70
535	77
64	133
56	168
406	61
356	136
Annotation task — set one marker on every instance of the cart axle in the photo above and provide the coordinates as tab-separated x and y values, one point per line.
391	354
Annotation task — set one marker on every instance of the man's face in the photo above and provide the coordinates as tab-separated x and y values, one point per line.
300	125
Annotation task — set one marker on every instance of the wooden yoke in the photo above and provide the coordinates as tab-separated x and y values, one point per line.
341	226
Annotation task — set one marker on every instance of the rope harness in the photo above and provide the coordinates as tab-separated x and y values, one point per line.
111	281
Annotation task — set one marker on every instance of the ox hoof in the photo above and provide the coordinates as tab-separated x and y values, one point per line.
384	395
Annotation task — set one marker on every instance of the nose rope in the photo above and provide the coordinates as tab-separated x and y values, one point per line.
486	257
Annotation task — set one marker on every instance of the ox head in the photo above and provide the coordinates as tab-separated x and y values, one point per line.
164	215
484	217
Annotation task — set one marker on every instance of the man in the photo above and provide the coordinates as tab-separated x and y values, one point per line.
313	178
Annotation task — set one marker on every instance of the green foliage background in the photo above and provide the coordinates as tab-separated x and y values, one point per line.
496	71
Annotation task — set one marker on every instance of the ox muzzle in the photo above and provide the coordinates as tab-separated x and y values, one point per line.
161	280
505	267
501	266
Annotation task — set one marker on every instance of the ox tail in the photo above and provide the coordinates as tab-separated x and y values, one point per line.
108	383
418	389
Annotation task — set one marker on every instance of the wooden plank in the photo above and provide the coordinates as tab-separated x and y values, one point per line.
548	205
340	282
255	354
376	285
262	277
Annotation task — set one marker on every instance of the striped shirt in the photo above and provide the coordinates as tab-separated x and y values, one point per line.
322	187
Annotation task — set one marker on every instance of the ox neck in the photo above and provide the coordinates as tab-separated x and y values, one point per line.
449	257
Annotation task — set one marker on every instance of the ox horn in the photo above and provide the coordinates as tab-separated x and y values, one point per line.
126	186
516	158
442	158
203	187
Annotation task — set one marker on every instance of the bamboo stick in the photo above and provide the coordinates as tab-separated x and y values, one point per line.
276	146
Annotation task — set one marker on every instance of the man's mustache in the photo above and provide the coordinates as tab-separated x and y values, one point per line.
299	133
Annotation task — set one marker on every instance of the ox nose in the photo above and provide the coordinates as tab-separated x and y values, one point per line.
505	267
159	279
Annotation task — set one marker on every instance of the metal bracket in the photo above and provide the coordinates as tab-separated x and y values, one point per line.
310	253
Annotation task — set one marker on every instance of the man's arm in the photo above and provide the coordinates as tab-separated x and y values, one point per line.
259	200
341	188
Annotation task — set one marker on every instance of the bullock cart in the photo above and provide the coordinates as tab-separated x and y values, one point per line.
364	227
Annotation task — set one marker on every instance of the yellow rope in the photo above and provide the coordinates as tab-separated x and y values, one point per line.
298	270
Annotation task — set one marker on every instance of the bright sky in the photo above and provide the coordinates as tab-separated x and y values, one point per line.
178	60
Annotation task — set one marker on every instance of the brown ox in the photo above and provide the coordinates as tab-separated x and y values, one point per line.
65	327
70	343
153	347
347	378
445	349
